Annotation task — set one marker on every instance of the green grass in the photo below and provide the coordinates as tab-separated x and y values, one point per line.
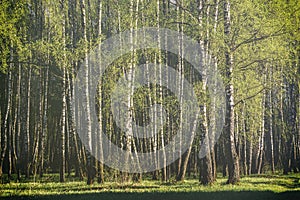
252	187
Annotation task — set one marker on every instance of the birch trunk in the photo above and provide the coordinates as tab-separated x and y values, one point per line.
6	125
262	141
100	178
233	160
271	121
63	113
89	163
27	134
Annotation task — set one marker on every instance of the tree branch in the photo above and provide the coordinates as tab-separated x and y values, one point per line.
249	97
251	63
253	38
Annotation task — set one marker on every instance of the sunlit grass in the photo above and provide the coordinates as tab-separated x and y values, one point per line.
50	186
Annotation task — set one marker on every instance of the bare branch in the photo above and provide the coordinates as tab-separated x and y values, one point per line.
251	63
249	97
253	38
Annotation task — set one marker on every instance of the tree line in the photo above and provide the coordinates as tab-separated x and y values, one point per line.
254	44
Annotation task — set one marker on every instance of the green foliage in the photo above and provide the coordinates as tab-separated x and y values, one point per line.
11	17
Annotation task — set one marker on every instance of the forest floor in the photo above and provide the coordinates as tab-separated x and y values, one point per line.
250	187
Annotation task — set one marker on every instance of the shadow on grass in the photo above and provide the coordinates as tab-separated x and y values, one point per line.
295	183
245	195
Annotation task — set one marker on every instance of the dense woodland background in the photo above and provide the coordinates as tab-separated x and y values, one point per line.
254	43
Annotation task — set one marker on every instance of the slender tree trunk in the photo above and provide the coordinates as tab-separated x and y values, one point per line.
164	169
250	154
9	146
18	147
71	94
179	17
130	77
38	127
283	133
186	155
45	121
90	168
100	172
232	157
271	122
213	117
63	130
245	140
262	141
64	102
6	125
224	159
68	126
206	164
40	124
8	118
27	134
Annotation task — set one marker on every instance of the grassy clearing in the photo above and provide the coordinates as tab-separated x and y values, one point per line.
261	187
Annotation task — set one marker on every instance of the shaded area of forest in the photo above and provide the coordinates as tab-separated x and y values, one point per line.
176	195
